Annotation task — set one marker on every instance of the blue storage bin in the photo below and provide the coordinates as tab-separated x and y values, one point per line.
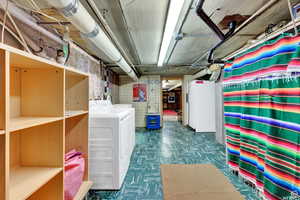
153	121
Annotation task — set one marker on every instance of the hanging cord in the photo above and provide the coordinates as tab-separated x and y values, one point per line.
36	9
293	17
4	22
15	26
13	34
18	31
33	4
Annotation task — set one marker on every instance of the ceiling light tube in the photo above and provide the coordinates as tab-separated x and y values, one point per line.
175	8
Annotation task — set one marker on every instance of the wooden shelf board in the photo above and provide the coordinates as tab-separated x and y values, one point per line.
83	190
24	59
19	123
2	132
74	113
24	181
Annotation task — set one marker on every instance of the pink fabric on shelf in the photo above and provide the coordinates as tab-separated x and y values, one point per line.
74	172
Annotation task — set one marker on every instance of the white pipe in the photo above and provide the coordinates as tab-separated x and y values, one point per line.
175	86
30	21
75	12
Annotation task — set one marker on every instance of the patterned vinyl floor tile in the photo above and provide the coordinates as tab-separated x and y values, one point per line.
173	144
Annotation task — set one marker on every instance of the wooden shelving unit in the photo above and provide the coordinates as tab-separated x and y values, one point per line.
70	114
85	187
3	171
43	115
27	180
4	146
76	117
76	90
19	123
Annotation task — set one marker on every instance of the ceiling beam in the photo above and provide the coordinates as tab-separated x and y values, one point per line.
181	65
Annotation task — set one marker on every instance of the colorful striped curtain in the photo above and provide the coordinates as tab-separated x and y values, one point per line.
262	116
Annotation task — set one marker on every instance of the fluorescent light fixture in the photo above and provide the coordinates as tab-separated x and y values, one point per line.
172	18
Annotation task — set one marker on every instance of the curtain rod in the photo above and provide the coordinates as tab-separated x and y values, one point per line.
282	30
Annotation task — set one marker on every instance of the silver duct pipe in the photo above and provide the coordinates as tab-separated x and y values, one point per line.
75	12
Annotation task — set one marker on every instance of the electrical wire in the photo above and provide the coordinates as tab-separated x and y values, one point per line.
15	26
13	34
30	3
4	21
38	10
34	4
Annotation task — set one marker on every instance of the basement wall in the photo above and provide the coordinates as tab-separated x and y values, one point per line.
103	81
153	96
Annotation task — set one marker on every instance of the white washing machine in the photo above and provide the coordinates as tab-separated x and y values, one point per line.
122	105
111	143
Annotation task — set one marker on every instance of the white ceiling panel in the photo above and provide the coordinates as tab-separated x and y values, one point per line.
146	19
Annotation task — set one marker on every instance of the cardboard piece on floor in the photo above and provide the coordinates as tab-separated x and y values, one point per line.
196	182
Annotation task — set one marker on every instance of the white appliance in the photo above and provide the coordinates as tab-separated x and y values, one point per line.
111	143
122	105
202	106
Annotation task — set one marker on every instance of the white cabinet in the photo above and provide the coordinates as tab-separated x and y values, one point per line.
202	106
111	143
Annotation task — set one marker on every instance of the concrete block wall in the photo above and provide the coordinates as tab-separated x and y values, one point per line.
82	61
115	93
153	96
